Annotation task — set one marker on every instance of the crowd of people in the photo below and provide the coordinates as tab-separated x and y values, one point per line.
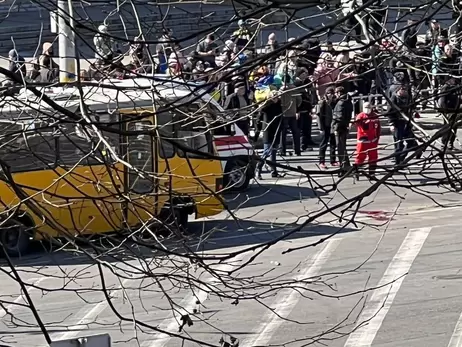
280	89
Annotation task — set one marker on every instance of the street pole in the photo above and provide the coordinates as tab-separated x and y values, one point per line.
66	34
286	68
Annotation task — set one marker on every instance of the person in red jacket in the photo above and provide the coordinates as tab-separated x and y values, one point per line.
368	135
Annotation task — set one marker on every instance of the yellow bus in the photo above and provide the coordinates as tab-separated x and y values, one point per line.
128	157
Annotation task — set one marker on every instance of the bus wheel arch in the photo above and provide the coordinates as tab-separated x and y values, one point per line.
16	235
238	173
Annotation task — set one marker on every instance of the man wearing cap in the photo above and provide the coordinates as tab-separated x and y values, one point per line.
342	114
399	126
367	137
326	108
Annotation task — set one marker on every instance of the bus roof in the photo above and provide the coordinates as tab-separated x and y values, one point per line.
109	96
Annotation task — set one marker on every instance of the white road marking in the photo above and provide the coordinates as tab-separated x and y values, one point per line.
403	212
89	314
382	298
20	298
302	180
186	306
456	338
287	300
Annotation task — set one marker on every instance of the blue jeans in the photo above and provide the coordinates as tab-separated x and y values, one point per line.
270	151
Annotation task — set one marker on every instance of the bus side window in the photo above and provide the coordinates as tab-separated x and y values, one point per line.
165	130
77	147
28	151
140	157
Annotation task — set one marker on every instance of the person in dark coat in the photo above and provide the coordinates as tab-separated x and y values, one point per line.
400	127
239	102
325	113
290	102
272	128
449	105
434	31
305	122
399	81
409	35
341	118
17	64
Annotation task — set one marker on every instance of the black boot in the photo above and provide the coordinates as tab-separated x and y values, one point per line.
372	169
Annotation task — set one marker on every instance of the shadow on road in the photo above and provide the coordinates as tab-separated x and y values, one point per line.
231	233
270	193
203	236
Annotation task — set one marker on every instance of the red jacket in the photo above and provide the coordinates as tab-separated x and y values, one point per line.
368	127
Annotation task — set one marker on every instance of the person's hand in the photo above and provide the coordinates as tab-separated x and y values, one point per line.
392	128
297	116
336	133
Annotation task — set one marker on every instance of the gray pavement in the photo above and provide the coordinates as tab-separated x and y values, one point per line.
404	251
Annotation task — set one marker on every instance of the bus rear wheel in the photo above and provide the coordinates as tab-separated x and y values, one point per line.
15	238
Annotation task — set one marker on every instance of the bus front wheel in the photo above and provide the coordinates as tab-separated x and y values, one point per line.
236	176
15	238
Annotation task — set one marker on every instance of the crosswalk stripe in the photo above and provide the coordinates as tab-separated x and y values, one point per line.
456	338
187	305
20	298
286	301
382	298
89	313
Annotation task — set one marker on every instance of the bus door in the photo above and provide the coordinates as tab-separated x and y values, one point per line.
140	177
182	172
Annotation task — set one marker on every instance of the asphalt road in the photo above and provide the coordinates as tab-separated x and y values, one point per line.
393	279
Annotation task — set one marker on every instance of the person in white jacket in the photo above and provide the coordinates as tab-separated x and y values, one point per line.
104	46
